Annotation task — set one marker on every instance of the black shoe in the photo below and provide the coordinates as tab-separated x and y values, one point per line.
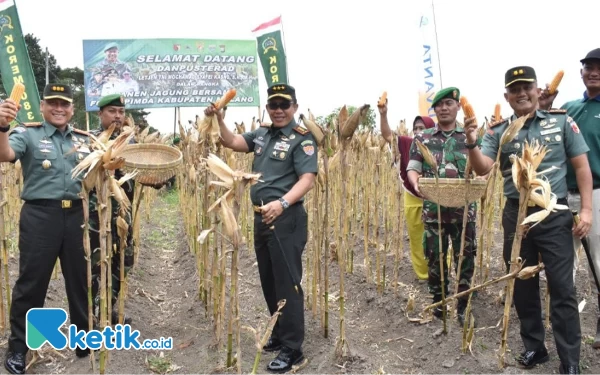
573	369
529	358
272	345
15	362
438	312
461	308
115	318
82	353
285	360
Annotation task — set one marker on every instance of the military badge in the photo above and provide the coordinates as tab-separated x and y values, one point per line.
574	126
309	150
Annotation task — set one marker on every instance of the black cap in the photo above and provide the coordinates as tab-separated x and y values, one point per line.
592	55
519	74
282	90
58	91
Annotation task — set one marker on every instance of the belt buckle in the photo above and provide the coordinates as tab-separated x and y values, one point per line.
66	204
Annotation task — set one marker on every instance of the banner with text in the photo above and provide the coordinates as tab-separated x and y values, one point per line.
15	65
429	64
271	51
155	73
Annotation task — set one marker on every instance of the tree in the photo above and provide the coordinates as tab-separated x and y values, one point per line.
367	124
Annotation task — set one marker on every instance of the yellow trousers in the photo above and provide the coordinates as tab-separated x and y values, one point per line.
413	208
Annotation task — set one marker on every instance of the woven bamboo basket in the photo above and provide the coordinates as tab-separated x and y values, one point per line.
155	163
452	191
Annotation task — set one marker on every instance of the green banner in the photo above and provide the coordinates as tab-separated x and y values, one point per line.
14	63
153	73
272	57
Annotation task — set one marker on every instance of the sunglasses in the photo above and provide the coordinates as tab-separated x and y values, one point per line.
276	105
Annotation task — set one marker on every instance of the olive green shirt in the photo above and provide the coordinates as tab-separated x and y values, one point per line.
47	158
555	130
586	113
281	155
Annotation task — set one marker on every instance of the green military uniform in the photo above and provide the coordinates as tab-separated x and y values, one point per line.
128	187
50	225
449	150
282	155
552	237
106	66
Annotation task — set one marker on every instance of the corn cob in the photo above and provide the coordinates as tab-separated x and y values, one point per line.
225	99
382	100
467	108
354	120
17	94
342	117
555	82
497	112
314	129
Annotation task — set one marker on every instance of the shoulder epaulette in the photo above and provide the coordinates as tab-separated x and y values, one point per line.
557	110
301	130
82	132
32	124
497	122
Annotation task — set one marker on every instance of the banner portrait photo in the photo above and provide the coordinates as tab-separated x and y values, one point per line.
155	73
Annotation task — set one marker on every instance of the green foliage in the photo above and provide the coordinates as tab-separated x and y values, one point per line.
367	124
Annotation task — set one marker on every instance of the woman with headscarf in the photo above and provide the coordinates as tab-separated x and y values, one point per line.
413	204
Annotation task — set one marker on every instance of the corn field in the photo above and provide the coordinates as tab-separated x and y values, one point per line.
355	213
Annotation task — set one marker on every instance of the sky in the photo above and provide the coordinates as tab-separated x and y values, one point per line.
340	54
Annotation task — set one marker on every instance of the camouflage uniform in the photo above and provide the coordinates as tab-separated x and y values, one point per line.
450	153
128	187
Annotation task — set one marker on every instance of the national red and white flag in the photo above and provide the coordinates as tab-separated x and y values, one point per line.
5	4
269	26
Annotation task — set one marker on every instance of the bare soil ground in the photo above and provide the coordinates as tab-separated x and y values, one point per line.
163	302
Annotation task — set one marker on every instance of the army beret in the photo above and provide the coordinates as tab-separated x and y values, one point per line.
58	91
282	90
448	92
519	74
116	100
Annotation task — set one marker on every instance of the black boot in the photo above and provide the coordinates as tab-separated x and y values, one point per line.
438	312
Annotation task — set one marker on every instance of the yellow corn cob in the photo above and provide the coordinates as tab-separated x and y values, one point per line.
17	92
497	113
555	82
382	100
467	108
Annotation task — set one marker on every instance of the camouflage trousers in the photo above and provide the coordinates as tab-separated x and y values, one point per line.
115	265
450	232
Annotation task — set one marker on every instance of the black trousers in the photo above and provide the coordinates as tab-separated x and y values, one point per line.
48	233
291	229
553	240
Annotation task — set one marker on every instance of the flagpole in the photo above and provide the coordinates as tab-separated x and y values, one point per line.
437	43
284	46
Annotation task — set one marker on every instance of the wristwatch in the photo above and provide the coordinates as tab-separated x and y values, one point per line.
285	204
4	129
471	146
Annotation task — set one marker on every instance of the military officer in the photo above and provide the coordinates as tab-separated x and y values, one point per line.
286	155
112	62
586	113
112	111
552	237
447	144
50	225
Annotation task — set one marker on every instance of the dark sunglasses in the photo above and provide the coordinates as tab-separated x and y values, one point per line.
276	105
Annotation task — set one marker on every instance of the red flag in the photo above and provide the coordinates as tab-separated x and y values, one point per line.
268	24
